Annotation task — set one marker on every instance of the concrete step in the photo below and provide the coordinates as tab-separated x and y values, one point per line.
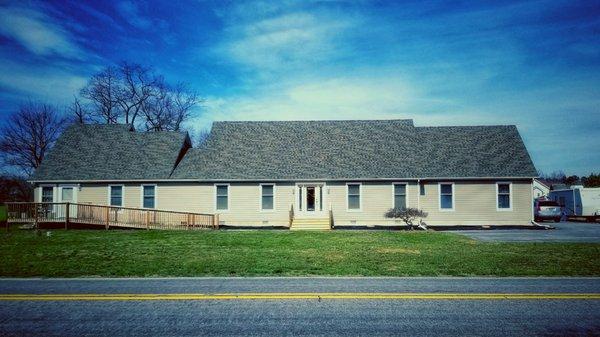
310	228
311	224
311	220
325	223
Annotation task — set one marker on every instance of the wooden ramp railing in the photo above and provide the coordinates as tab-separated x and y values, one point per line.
107	216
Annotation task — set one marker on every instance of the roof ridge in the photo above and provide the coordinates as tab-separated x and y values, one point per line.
113	125
125	127
318	120
464	126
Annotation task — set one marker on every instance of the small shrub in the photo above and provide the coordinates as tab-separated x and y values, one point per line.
408	215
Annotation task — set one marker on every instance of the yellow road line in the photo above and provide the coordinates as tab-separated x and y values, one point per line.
300	296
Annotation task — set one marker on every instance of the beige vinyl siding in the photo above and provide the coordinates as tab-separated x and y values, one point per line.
97	194
376	199
185	197
244	200
244	205
474	202
93	194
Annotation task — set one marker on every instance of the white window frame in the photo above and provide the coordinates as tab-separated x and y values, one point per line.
228	198
360	197
54	192
123	195
440	197
510	196
394	193
260	197
155	196
59	192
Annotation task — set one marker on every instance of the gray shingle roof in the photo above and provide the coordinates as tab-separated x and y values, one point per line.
375	149
111	152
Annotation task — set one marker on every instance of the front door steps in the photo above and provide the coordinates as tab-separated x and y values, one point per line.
311	224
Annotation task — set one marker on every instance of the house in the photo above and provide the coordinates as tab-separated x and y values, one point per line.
540	188
271	173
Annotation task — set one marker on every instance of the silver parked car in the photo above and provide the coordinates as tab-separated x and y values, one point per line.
547	210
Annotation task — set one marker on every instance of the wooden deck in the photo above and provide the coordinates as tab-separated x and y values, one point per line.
103	216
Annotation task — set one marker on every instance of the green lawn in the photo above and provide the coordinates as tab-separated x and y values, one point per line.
251	253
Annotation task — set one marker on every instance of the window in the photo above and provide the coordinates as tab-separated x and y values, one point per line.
422	188
47	194
503	196
353	191
267	197
222	197
66	194
148	196
116	195
400	196
446	196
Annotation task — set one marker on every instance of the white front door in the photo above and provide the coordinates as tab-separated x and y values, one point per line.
310	200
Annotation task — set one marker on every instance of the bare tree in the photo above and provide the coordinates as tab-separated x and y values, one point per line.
130	92
78	111
554	177
136	87
28	134
102	91
593	180
169	107
199	137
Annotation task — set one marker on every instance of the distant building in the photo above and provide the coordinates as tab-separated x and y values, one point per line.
540	188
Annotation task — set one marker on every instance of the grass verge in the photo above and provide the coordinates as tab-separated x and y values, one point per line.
253	253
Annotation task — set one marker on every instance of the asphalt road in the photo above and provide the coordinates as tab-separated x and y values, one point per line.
306	317
564	232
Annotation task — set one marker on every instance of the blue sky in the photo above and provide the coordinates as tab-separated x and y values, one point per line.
535	64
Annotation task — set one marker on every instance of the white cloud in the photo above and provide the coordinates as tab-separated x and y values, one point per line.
338	98
49	84
37	32
286	40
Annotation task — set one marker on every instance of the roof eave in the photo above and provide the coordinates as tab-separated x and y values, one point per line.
279	179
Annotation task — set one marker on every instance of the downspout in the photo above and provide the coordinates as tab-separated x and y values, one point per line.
418	193
532	204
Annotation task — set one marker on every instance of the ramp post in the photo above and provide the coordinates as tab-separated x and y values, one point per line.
67	215
107	217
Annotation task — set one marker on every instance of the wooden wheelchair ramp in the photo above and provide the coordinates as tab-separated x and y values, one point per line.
103	216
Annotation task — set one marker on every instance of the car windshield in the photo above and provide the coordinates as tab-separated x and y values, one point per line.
548	203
